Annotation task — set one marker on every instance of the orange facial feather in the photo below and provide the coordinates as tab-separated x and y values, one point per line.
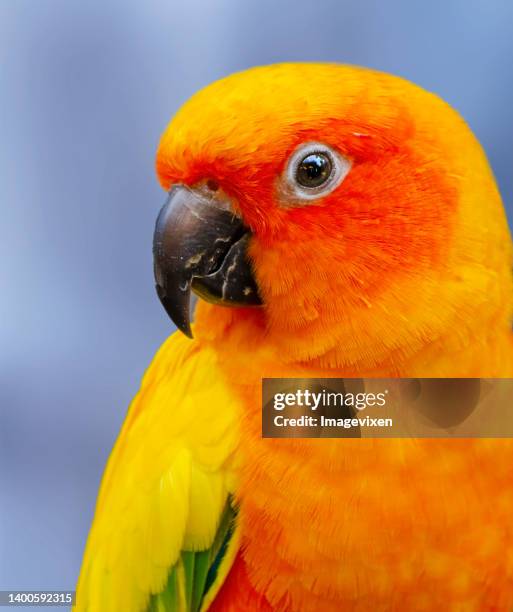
418	220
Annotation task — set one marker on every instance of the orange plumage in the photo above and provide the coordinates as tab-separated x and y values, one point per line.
408	272
403	269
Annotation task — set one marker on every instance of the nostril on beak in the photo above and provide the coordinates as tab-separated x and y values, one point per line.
212	185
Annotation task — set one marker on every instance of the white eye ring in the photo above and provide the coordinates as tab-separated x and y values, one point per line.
292	190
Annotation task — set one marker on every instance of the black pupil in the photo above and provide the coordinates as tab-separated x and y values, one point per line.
314	170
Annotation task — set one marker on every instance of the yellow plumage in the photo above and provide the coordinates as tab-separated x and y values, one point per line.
166	482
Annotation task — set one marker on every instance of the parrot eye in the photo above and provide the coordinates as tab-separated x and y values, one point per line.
314	170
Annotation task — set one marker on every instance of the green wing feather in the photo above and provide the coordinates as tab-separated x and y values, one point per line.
197	574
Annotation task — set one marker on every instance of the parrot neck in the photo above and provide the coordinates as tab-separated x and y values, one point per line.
242	338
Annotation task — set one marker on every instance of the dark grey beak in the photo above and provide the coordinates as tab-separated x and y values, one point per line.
200	244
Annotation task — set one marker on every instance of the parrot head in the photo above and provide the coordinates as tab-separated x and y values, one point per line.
347	208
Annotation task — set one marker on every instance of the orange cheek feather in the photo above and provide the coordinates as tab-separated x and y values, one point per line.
392	216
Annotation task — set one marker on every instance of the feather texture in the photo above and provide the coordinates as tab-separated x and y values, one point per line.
165	490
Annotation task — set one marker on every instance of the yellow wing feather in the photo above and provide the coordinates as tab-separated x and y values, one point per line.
166	482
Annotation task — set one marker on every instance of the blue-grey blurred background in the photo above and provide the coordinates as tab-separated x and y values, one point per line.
85	90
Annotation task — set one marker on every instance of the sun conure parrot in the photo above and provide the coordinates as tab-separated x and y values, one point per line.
350	221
